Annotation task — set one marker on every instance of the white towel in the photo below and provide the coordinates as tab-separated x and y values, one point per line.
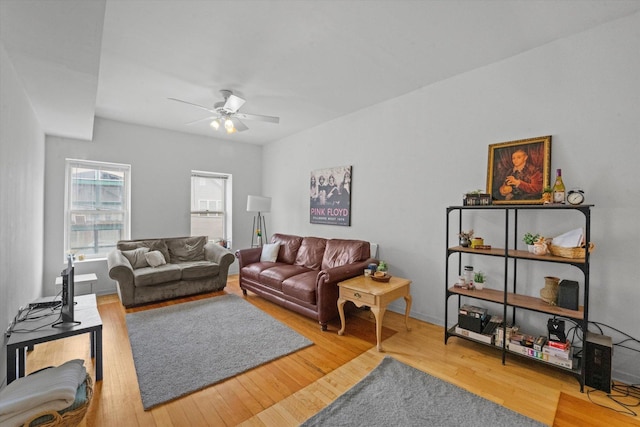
46	390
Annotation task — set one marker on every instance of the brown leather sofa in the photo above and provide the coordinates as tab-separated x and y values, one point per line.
304	278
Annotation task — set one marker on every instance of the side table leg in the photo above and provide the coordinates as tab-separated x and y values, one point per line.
408	301
341	302
378	312
11	364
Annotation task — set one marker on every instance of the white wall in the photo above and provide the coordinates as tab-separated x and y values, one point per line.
161	164
415	155
21	199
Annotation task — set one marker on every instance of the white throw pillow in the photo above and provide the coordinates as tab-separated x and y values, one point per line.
155	258
270	252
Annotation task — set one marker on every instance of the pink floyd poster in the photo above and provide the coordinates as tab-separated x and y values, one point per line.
330	201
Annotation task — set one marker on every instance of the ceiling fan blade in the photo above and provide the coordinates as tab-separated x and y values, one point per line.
195	105
233	103
238	124
258	117
202	120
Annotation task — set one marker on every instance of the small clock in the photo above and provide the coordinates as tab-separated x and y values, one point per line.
575	197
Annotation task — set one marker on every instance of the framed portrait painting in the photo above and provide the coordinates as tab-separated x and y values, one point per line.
330	201
519	170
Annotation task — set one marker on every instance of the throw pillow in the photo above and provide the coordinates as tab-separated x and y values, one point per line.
270	252
136	257
155	258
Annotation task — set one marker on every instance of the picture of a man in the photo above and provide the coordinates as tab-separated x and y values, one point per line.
517	179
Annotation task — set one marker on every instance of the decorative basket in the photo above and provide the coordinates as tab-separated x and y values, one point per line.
577	252
70	417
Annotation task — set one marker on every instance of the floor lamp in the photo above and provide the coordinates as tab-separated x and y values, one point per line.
258	204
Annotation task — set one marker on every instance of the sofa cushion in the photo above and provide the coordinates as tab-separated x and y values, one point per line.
341	252
289	246
198	269
311	252
136	257
274	276
186	248
149	276
270	252
152	244
155	258
302	286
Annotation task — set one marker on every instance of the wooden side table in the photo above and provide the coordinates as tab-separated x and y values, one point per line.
363	290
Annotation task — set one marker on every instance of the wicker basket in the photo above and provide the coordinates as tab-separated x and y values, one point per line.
64	418
577	252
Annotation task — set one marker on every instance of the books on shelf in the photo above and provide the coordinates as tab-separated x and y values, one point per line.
487	339
541	355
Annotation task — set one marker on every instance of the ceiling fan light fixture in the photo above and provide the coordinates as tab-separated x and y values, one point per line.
228	125
215	124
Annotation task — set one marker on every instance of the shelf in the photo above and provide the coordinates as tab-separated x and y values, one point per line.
516	254
532	206
576	370
521	301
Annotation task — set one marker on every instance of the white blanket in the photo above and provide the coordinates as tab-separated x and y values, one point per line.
50	389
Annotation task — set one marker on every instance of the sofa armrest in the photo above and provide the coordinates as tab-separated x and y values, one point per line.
119	267
218	254
248	256
121	271
344	272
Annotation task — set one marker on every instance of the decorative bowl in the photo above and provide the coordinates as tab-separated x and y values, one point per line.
385	278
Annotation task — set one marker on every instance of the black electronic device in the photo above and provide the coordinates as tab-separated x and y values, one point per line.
556	330
598	355
568	294
68	286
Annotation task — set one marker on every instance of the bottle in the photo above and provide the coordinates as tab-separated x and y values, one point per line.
559	192
468	274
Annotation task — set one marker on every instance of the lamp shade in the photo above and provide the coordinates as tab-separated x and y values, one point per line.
258	204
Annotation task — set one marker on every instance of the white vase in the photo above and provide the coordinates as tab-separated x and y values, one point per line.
478	285
530	248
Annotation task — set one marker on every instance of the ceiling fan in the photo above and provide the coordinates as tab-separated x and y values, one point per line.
226	114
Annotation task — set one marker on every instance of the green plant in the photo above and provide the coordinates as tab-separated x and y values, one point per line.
547	190
530	238
382	266
479	277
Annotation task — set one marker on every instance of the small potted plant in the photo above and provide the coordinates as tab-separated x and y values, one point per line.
547	195
478	280
465	238
530	239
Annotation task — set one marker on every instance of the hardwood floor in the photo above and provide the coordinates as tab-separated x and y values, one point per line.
287	391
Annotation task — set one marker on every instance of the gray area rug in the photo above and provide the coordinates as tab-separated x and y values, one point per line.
395	394
185	347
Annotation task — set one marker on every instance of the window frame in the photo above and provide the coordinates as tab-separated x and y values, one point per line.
226	211
69	212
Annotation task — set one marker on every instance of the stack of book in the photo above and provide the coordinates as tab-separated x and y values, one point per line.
554	352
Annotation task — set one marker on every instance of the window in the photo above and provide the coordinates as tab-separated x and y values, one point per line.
97	207
211	206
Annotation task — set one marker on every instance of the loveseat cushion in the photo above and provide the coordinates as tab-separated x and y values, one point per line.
186	248
198	269
311	252
302	286
289	246
341	252
149	276
274	276
152	244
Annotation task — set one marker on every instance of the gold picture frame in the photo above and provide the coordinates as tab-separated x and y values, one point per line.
519	170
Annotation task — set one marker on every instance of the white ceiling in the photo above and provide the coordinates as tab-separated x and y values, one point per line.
307	62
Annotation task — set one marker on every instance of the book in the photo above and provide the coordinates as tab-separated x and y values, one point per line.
487	339
555	352
534	354
557	344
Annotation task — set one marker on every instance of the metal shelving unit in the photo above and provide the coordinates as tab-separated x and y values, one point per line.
508	296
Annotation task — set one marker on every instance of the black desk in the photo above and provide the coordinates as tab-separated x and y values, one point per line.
85	311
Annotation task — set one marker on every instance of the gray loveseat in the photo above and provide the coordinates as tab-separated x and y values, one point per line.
151	270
